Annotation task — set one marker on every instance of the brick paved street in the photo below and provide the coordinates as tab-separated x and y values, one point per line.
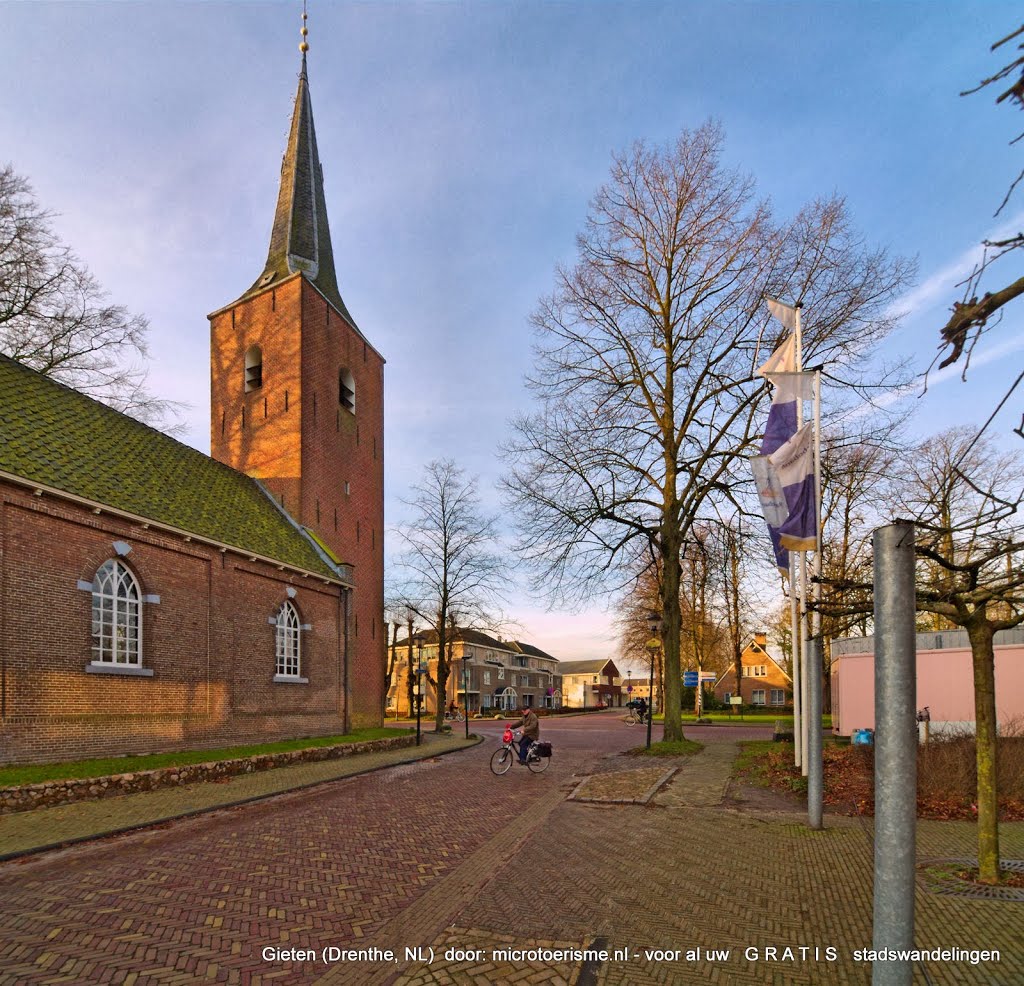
443	855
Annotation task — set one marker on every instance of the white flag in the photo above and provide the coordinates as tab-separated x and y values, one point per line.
786	314
783	360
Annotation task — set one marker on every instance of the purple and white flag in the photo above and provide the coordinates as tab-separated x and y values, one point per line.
773	505
793	463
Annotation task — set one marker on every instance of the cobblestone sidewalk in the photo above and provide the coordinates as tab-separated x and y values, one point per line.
46	828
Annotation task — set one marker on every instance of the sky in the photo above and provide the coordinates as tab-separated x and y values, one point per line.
461	144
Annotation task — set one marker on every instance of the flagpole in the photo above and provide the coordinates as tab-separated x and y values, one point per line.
794	638
796	593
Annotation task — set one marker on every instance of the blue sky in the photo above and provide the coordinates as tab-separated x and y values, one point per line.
461	144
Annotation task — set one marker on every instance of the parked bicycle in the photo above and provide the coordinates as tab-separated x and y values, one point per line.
458	715
538	755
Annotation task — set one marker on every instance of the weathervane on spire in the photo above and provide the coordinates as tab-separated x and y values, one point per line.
304	46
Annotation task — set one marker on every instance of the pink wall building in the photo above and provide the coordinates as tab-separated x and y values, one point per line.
945	680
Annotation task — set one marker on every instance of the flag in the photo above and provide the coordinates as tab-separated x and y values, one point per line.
783	360
786	314
773	505
793	463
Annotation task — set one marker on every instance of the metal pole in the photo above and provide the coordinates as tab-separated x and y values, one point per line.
805	701
794	637
814	669
895	750
650	702
813	761
465	687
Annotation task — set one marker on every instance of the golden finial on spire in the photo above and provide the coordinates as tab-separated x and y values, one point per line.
304	47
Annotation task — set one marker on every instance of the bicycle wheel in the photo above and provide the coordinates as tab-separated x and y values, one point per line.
631	720
502	760
538	764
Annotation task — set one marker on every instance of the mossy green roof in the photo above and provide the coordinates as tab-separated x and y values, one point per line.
56	437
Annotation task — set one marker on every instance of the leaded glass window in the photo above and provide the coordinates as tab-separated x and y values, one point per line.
116	616
287	636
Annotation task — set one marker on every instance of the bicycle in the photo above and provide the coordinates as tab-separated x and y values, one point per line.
458	715
634	717
502	760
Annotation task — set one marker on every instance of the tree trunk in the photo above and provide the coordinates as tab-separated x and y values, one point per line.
673	709
408	677
983	656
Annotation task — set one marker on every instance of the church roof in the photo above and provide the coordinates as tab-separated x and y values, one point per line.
60	439
300	241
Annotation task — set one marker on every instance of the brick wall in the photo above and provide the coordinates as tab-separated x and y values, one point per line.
207	641
323	462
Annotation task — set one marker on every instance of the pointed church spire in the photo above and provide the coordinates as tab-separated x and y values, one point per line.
301	237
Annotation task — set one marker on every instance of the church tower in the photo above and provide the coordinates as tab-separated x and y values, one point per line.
297	401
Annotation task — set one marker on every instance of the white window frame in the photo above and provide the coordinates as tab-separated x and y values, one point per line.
754	694
116	618
781	693
501	674
288	644
487	677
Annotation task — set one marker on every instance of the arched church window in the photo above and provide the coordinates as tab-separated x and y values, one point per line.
347	390
253	368
116	616
288	642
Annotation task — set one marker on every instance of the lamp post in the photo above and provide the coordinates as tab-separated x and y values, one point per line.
419	686
629	687
654	624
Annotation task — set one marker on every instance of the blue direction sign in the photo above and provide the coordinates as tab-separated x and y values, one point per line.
689	679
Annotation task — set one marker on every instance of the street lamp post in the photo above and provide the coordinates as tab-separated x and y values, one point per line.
654	623
419	686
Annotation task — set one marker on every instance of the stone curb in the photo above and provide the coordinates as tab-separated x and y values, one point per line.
49	794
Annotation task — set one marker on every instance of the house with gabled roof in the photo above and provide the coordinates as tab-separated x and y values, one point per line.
763	681
155	598
587	684
488	674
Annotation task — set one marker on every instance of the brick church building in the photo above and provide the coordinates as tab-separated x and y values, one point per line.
155	598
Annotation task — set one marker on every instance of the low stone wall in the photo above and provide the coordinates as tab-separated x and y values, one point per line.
50	793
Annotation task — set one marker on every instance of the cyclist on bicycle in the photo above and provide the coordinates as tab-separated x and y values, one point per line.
641	708
530	726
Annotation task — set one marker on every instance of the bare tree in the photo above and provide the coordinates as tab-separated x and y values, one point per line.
449	561
55	318
964	496
648	400
973	315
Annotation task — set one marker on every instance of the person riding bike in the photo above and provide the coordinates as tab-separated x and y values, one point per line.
530	726
641	708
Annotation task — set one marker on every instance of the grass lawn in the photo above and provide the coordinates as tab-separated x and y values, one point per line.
747	719
11	776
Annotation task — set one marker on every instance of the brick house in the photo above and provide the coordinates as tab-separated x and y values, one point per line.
502	674
156	598
763	682
589	683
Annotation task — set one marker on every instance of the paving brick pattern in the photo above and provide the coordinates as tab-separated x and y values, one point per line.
442	854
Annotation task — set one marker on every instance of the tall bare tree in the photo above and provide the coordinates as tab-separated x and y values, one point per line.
964	496
647	398
55	317
449	561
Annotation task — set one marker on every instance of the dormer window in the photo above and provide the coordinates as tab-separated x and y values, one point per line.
253	369
347	390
